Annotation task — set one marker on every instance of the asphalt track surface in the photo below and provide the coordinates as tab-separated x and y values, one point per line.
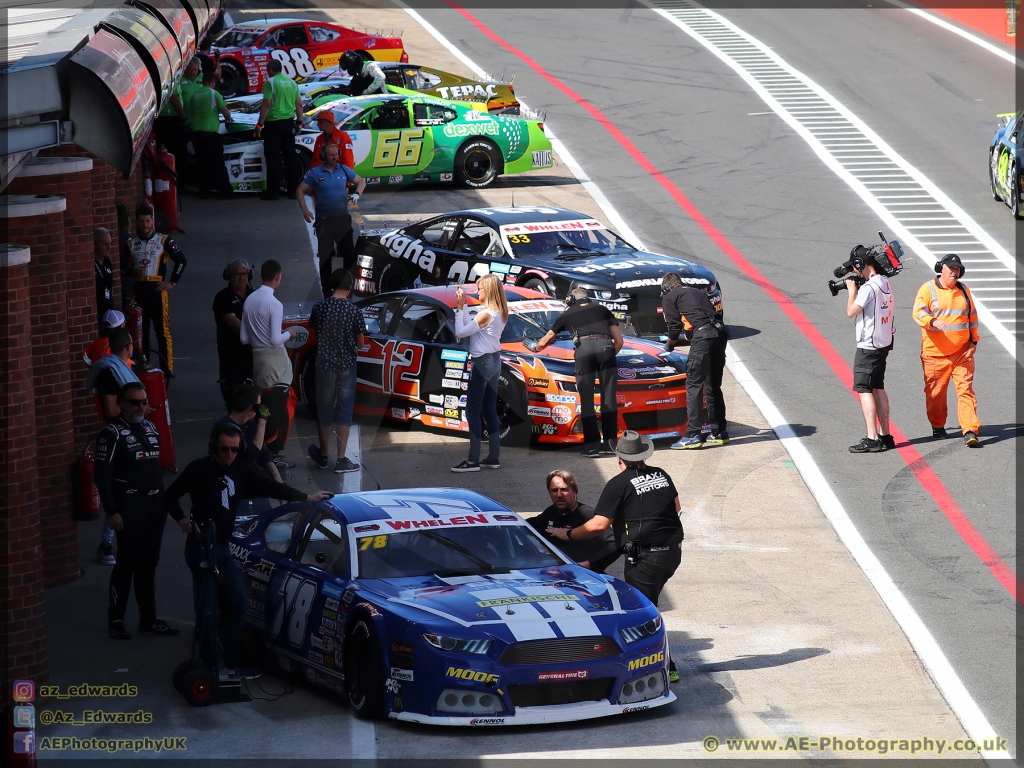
932	96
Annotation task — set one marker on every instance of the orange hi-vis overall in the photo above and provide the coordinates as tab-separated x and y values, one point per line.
948	352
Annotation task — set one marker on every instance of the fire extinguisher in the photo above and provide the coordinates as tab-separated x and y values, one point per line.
165	188
88	507
133	322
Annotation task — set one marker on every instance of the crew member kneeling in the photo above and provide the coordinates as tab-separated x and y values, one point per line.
216	483
641	506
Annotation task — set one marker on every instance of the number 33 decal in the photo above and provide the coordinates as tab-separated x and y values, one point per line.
294	62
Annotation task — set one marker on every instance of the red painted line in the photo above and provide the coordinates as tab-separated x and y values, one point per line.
915	461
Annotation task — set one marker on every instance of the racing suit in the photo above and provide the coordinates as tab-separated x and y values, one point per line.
369	80
128	479
150	260
705	364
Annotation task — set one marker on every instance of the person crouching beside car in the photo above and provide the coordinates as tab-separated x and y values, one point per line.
567	512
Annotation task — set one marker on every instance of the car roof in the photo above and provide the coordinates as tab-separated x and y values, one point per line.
512	215
414	504
268	23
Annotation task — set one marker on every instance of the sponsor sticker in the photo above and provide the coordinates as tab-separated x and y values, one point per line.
660	435
487	721
398	413
560	398
561	414
365	261
627	373
578	674
525	599
330	590
453	373
542	158
548	429
369	608
663	401
373	180
331	604
397	647
533	410
454	354
539	383
317	658
453	423
348	597
646	661
553	226
435	410
262	570
316	641
452	364
471	674
450	384
439	399
421	177
497	266
446	177
399	180
401	674
451	413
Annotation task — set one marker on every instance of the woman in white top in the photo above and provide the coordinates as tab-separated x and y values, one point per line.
483	325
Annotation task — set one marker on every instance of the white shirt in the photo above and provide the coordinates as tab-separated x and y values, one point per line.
874	323
261	320
484	340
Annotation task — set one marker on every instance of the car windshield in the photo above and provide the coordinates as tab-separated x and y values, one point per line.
237	38
566	242
530	319
452	552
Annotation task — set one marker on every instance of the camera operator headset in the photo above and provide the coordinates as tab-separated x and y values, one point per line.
640	500
597	340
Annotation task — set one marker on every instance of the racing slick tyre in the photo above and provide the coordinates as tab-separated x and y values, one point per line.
536	284
233	81
181	671
307	382
1015	196
394	278
515	426
993	169
199	687
363	671
477	163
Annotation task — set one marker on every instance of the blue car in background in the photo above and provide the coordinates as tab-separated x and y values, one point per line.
1004	162
439	605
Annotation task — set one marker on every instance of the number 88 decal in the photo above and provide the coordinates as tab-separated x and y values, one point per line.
294	62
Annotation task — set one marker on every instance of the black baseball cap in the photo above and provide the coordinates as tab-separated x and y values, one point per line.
951	260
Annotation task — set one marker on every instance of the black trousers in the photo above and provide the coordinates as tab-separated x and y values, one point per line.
653	571
213	174
333	238
138	552
703	347
716	370
596	357
278	150
171	132
155	306
233	371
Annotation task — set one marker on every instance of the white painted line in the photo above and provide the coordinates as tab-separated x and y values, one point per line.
362	737
1005	55
928	650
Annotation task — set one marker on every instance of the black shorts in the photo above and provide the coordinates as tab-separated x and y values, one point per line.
869	369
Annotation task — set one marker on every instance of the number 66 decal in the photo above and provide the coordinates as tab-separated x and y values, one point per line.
295	61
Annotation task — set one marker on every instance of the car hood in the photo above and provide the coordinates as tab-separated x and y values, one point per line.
628	271
638	359
529	604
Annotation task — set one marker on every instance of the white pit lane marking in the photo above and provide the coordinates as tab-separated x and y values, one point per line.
708	28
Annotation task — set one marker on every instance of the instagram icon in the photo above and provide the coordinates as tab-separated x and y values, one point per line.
24	691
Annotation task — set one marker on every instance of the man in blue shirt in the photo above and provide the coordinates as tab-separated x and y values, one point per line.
333	225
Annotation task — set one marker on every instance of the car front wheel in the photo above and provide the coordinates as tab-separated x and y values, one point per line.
363	672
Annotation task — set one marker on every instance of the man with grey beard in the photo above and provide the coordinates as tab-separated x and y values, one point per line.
128	478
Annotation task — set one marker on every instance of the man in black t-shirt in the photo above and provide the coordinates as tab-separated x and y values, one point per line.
597	340
235	357
641	506
566	512
104	270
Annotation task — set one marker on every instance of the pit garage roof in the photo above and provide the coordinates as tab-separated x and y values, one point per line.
95	75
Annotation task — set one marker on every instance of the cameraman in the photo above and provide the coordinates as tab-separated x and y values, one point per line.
872	306
641	506
596	337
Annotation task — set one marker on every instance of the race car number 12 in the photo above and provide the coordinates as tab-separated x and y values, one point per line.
294	62
398	148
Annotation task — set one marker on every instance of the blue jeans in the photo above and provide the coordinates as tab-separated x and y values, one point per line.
482	399
335	398
232	597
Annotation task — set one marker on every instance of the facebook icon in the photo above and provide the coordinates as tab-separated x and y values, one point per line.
24	742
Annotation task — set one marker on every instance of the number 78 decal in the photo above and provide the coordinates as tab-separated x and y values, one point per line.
296	602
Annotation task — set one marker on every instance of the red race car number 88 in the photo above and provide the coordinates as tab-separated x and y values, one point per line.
294	62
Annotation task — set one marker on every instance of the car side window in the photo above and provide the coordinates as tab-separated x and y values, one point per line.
323	34
280	532
440	233
323	545
391	116
292	34
420	322
393	76
421	80
432	114
480	239
378	315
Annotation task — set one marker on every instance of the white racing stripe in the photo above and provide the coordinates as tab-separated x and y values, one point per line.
938	21
921	639
570	616
911	206
523	620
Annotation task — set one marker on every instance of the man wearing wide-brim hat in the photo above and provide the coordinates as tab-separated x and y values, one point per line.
641	506
948	317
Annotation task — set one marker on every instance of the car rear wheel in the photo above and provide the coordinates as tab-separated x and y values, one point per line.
515	427
477	163
233	81
993	171
394	278
307	382
536	284
363	672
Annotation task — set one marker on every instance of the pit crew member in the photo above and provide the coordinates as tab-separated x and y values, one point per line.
706	362
129	483
280	119
331	133
234	357
641	506
333	224
596	338
567	512
367	76
206	103
215	484
157	265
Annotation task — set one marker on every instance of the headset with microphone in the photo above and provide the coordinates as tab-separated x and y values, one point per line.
231	430
226	274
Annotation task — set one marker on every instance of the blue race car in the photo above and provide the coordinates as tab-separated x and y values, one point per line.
1005	172
439	605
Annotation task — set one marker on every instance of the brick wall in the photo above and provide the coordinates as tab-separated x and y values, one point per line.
38	222
22	617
